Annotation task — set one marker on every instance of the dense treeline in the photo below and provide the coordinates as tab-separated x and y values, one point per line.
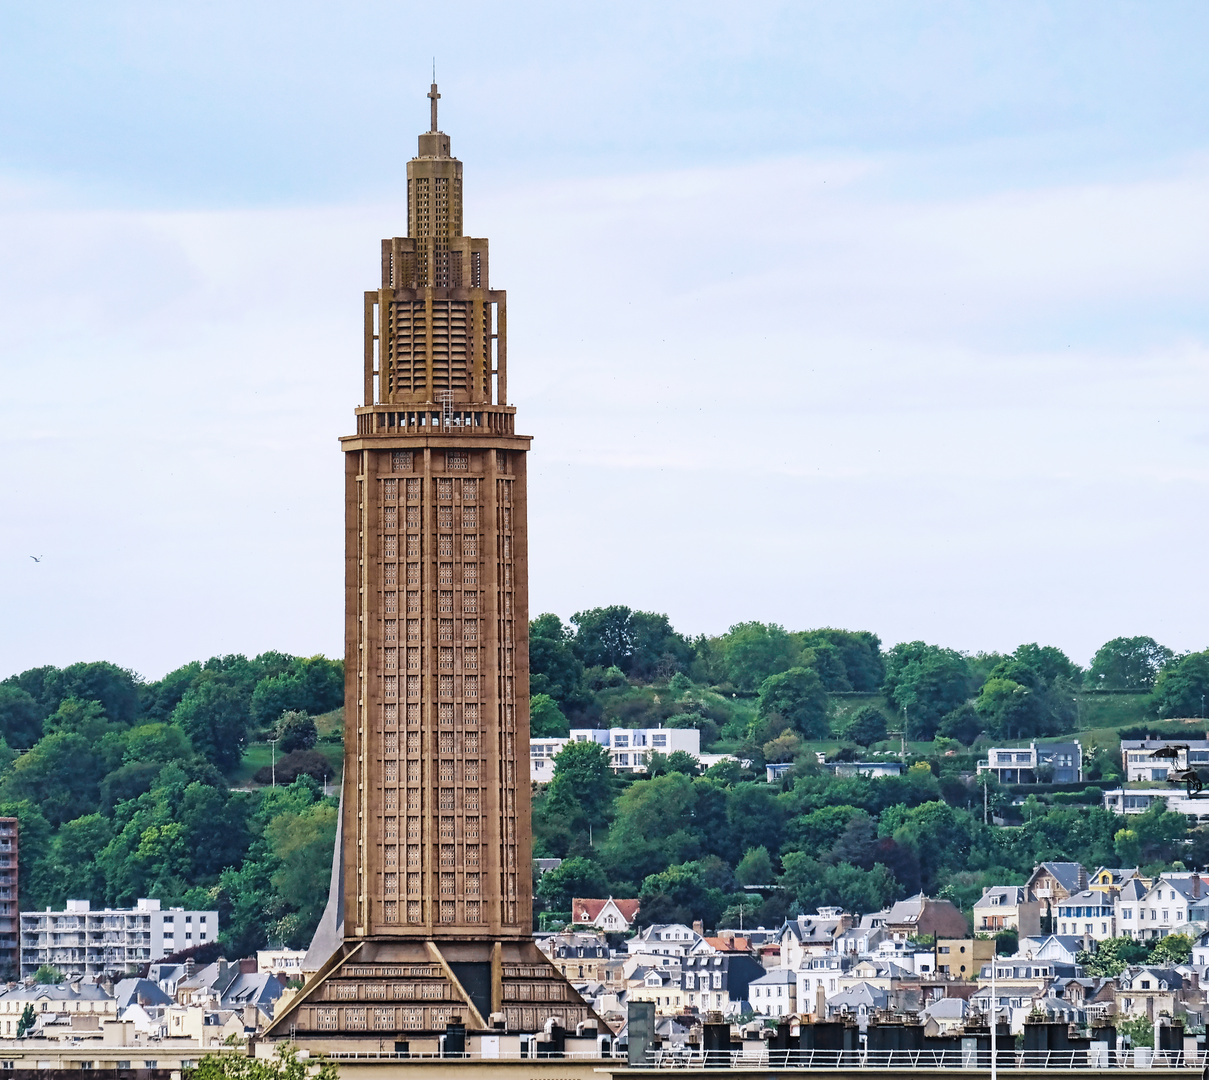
123	789
687	843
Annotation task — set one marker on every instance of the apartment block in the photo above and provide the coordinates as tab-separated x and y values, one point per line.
630	749
10	944
80	941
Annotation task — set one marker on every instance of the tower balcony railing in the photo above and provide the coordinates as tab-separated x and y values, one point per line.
386	419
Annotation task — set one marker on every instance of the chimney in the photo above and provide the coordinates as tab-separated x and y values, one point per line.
1196	885
698	927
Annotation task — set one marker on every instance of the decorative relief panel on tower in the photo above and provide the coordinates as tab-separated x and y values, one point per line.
435	822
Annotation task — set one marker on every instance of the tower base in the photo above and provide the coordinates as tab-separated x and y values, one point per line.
386	990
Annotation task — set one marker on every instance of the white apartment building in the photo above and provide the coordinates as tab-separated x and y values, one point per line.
1131	801
80	941
629	748
1141	766
286	961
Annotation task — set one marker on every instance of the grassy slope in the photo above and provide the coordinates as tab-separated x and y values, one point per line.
257	755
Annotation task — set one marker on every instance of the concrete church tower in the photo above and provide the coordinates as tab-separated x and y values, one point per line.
430	912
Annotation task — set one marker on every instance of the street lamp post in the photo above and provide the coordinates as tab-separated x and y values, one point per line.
994	1025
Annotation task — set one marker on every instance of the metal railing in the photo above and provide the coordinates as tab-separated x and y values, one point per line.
764	1057
467	1055
745	1058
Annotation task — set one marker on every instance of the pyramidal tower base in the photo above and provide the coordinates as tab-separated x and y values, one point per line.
428	927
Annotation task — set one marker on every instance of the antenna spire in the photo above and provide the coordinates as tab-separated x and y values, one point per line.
433	96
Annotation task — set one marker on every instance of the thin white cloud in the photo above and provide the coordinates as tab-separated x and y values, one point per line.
777	390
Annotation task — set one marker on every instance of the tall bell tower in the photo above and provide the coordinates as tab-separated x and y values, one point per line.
430	913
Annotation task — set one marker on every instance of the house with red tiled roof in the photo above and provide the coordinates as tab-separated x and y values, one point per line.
612	916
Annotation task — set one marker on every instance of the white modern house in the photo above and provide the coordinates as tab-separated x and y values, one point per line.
630	749
1059	763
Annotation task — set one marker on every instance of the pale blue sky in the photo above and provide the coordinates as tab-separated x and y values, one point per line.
889	316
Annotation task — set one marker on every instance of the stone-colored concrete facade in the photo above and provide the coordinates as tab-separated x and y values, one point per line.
437	891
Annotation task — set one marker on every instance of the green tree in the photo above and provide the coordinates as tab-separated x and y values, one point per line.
554	669
826	661
755	868
642	644
752	651
680	761
1127	663
653	828
867	726
20	717
815	833
158	742
1050	662
28	1019
297	731
1182	686
61	774
1139	1029
85	718
785	747
860	652
73	859
754	816
284	1065
47	975
575	877
160	698
1111	957
963	724
798	697
926	682
215	717
115	688
685	892
583	783
813	885
1172	949
546	719
302	845
313	685
1010	710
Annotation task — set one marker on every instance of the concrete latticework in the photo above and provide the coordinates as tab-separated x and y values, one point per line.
431	909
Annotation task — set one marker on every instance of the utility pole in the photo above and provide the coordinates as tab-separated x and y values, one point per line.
273	757
994	1024
985	799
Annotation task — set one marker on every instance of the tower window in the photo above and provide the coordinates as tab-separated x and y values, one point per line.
455	459
400	461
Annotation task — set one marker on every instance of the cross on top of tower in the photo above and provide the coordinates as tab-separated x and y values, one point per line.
433	96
